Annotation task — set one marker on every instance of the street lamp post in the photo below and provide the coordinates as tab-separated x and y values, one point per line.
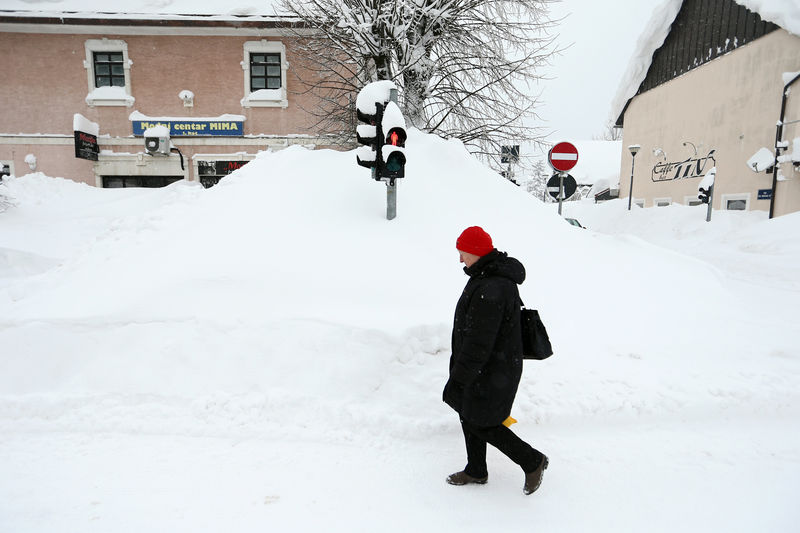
634	149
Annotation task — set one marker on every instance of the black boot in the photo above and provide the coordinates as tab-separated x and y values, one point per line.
534	479
462	478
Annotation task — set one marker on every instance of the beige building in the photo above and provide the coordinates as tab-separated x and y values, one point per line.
710	97
221	86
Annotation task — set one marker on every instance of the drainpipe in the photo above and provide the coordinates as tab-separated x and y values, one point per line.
778	140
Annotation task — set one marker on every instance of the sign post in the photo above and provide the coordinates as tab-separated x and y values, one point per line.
561	186
562	157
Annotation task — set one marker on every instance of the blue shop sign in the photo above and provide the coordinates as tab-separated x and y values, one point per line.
764	194
192	128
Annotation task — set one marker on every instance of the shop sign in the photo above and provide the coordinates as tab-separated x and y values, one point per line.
86	146
693	167
193	128
224	168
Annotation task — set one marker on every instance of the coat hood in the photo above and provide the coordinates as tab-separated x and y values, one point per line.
497	263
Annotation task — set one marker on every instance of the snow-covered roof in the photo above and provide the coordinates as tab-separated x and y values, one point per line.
784	13
143	8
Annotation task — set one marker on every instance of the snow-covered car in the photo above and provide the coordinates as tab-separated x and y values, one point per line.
574	222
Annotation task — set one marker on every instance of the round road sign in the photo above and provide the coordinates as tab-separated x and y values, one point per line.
570	186
563	156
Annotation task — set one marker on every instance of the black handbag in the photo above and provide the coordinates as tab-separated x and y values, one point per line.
535	341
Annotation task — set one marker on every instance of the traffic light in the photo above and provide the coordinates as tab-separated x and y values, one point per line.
370	135
392	162
705	194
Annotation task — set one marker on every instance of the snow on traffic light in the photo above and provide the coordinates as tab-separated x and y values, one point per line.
383	133
369	135
393	150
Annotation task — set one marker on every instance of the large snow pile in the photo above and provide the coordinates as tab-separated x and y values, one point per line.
269	353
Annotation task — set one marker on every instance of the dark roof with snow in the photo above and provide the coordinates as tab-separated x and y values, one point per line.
685	34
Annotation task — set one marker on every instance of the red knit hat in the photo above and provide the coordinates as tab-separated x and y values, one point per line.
474	240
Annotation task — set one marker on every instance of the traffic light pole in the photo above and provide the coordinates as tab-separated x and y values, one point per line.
391	185
710	202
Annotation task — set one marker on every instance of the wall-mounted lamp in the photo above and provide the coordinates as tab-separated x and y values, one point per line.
187	97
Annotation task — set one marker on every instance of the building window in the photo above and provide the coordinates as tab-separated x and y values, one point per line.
692	200
108	69
662	202
736	202
108	73
265	69
5	169
639	202
119	182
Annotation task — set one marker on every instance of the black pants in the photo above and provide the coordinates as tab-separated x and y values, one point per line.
502	438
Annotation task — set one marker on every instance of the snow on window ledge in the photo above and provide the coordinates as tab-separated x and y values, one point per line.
110	96
265	98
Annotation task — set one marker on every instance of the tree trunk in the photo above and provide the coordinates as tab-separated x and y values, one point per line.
415	86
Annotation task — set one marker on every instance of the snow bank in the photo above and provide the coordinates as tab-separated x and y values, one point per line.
277	332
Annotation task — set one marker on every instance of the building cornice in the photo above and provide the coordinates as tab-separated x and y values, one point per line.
148	24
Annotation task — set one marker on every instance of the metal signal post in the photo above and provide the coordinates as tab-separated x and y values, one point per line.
383	136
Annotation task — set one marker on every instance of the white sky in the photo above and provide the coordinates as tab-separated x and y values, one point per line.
585	77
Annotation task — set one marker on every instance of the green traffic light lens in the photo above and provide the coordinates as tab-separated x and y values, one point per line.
394	163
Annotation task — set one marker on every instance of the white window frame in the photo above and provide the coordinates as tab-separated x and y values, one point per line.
10	163
264	47
664	199
107	45
736	196
692	200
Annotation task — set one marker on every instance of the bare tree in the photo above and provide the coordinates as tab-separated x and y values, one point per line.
466	67
610	133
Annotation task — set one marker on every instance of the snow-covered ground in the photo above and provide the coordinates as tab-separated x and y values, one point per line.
269	355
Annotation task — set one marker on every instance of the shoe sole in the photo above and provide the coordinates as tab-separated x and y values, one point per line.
477	481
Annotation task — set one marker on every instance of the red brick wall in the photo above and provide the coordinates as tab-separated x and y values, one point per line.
45	83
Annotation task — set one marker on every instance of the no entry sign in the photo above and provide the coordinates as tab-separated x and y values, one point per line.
563	156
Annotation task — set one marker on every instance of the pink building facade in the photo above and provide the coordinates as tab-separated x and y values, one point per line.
222	88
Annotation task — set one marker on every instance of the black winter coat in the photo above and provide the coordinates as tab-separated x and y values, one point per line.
486	364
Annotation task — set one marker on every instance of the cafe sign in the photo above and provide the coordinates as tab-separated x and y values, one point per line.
693	167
